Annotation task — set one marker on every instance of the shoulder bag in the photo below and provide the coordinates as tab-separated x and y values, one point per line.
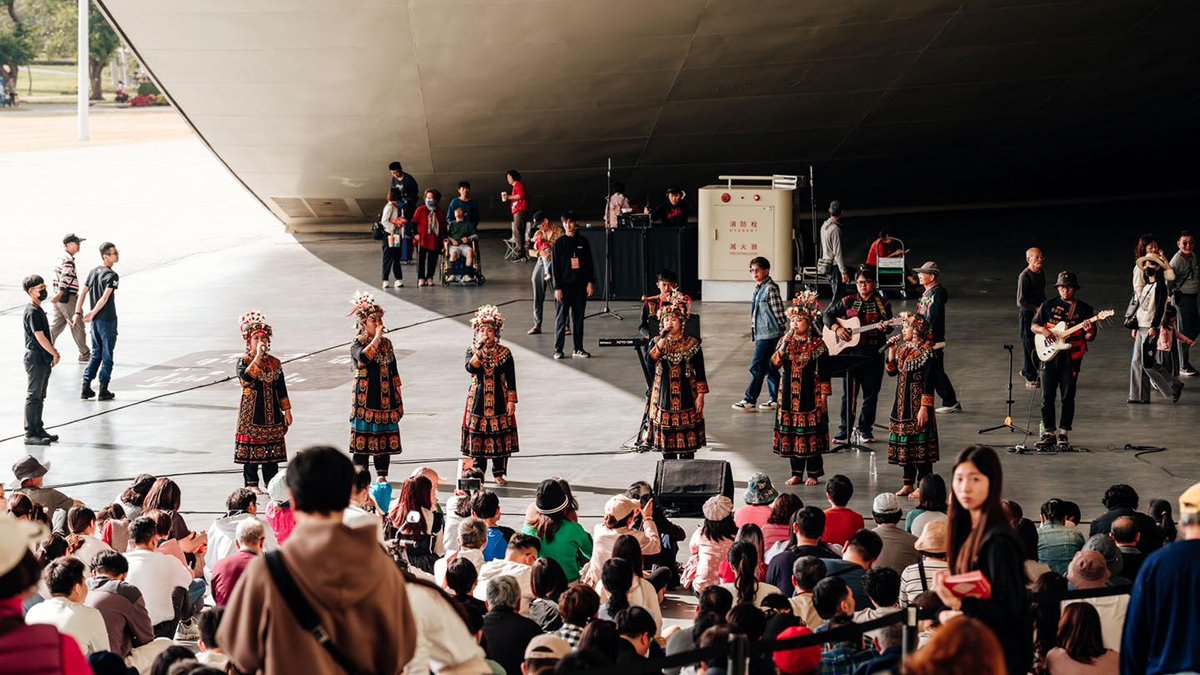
303	612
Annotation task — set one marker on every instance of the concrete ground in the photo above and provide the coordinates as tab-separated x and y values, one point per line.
197	251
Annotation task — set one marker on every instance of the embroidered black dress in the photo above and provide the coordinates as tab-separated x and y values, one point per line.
487	429
909	446
802	426
376	410
260	423
676	426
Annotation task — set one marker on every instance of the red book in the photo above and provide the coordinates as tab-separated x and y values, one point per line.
969	585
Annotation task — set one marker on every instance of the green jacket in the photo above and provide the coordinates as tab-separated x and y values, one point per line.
570	548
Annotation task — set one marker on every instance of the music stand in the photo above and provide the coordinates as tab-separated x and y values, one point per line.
844	364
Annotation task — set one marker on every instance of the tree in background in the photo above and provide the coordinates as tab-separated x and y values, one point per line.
102	45
49	29
16	47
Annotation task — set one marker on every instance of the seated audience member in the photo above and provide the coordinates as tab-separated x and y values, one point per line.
280	515
759	496
637	630
250	536
840	522
617	578
1027	534
351	582
898	546
486	506
458	507
647	588
506	632
1089	571
620	512
1057	543
134	496
750	621
563	540
861	552
1106	547
670	535
835	603
577	606
1081	649
743	557
930	606
460	580
883	588
130	631
458	239
241	506
82	542
889	642
19	571
30	480
751	534
544	653
363	511
112	527
710	544
1047	610
806	573
779	524
416	522
548	582
158	577
601	636
210	653
918	577
165	495
712	637
778	612
932	502
963	645
517	563
714	601
64	609
1126	536
1160	511
808	527
446	641
802	661
1122	500
174	660
1071	514
472	537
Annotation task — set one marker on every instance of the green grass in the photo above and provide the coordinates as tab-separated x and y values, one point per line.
56	82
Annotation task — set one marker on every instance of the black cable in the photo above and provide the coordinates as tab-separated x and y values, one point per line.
231	377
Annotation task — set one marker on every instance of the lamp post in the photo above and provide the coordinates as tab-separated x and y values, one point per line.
82	103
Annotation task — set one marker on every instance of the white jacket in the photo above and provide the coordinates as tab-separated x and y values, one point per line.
83	623
222	540
444	643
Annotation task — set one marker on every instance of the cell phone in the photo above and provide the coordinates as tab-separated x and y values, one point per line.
469	485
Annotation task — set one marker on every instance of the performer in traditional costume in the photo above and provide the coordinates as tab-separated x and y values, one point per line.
802	420
489	428
912	432
265	413
677	393
377	406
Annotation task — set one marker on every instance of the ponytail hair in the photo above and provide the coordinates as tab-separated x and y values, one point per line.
617	577
743	557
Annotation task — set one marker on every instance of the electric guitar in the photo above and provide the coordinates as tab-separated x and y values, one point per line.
1048	346
836	345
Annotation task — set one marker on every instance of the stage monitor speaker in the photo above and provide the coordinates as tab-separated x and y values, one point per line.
681	486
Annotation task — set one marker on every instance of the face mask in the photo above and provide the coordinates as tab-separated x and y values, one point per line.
429	203
42	295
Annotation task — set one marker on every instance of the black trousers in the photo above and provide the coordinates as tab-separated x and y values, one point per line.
915	472
1029	363
499	465
867	380
815	466
38	372
1059	378
381	462
1189	325
574	303
391	263
426	264
250	473
941	380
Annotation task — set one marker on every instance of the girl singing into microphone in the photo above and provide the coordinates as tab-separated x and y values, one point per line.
912	430
677	393
264	413
802	420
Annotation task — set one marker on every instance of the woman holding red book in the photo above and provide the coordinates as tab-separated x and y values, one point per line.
985	557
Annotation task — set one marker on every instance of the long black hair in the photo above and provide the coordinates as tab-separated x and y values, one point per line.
716	530
743	558
617	576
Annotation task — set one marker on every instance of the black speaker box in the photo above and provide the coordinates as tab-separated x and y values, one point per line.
681	486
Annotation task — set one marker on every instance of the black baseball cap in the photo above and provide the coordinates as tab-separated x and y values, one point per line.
73	239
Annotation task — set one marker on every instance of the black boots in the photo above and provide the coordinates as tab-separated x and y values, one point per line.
105	394
87	392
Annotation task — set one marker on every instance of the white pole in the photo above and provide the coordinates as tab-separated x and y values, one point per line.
82	103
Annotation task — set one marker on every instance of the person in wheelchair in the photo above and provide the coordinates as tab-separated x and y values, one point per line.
460	242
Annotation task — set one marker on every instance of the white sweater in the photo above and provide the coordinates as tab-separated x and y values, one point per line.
156	575
83	623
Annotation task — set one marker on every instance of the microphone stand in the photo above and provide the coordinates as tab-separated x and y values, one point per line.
605	289
1008	418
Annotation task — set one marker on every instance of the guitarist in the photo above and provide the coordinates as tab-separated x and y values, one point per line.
1062	372
869	306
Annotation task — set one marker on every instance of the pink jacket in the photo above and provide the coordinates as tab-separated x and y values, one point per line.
283	521
703	567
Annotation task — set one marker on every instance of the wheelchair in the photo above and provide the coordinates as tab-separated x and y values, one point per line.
456	272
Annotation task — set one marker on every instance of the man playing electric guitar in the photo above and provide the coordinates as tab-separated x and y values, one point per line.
1060	373
869	307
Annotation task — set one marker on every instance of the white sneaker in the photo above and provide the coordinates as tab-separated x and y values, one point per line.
188	630
384	286
745	406
467	279
950	409
768	405
398	284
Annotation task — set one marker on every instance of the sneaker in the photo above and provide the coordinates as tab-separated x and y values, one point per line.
398	284
53	438
187	631
84	358
866	437
1046	441
840	439
768	405
745	406
87	392
37	440
580	354
1187	371
467	279
559	356
536	330
949	409
1063	443
1031	384
384	286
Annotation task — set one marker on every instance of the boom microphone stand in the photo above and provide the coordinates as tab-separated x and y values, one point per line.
606	288
1008	418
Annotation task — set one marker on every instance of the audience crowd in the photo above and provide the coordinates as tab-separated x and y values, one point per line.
336	576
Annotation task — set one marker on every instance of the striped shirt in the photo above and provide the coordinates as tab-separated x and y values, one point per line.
65	278
910	579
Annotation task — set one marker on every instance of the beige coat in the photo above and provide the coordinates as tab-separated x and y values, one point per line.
355	588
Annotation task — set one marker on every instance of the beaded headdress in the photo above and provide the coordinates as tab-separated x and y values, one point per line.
252	323
677	303
922	329
804	305
364	306
488	315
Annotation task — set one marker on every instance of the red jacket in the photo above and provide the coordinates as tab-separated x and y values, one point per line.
36	650
429	238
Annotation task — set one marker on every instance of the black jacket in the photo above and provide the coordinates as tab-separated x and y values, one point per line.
506	634
1152	537
1002	561
566	249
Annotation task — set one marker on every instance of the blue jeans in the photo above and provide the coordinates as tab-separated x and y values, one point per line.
104	341
760	367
